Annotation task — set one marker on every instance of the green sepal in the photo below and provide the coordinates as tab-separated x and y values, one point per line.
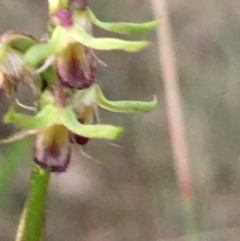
37	54
124	106
123	28
60	37
79	34
69	120
20	42
44	118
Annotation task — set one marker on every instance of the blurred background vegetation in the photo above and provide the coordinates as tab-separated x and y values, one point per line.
134	195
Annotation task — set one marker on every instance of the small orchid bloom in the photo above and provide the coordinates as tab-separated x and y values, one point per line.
57	127
13	44
67	95
70	47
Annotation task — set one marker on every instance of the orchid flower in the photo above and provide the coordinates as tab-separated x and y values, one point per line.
70	47
67	106
13	45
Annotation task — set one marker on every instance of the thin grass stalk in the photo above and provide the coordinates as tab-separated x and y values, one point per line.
175	117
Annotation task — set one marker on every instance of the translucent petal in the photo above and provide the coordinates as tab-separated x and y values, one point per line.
79	34
69	120
123	28
124	106
44	118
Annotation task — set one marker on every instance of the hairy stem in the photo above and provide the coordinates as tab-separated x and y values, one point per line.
32	219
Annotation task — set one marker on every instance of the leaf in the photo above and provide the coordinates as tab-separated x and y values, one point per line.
69	120
124	106
123	28
44	118
83	37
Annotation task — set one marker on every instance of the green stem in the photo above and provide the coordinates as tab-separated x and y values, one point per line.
32	220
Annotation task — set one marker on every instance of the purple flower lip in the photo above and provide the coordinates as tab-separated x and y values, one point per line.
52	164
63	18
75	67
79	82
53	168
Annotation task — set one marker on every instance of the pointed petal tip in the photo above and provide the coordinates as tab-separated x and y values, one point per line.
123	27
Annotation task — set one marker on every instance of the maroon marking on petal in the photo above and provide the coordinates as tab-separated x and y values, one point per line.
75	68
73	79
63	18
52	160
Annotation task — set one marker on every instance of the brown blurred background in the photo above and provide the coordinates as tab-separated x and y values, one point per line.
134	196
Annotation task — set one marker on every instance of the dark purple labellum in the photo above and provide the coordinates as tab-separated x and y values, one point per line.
52	148
51	161
75	67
